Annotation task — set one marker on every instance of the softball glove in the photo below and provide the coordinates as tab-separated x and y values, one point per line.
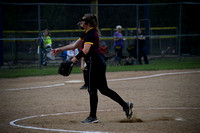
65	68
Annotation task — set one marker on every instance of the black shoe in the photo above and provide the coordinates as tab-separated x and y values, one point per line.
90	120
84	87
128	110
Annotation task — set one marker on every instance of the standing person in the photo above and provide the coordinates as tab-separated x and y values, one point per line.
96	67
118	41
142	47
45	47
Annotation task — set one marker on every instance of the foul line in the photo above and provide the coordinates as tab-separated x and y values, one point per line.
155	75
37	87
110	80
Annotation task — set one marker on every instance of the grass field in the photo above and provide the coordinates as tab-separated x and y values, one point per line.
157	64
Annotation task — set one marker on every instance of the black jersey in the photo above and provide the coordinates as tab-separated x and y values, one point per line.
91	37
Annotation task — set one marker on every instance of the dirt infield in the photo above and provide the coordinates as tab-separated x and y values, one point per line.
164	101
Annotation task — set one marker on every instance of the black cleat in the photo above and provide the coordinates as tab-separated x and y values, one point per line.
84	87
128	110
90	120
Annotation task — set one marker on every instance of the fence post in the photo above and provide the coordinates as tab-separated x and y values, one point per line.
147	25
94	8
39	29
137	25
179	32
1	36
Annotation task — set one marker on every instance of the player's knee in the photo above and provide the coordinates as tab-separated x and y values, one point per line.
105	91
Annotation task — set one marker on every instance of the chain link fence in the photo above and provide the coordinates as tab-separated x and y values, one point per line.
171	29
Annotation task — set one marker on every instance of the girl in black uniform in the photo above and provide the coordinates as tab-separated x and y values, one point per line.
96	67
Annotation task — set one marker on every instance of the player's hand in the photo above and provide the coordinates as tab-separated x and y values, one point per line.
74	59
82	67
54	52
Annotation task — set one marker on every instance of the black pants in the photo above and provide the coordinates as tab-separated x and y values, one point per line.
97	80
118	51
142	53
85	76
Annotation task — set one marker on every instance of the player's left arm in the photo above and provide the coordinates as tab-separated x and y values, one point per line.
84	52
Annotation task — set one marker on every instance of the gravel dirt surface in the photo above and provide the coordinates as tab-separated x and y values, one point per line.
165	103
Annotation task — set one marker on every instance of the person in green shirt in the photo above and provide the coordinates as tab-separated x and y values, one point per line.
46	47
47	38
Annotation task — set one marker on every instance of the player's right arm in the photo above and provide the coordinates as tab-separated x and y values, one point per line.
71	46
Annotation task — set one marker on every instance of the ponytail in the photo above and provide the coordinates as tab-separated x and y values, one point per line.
92	19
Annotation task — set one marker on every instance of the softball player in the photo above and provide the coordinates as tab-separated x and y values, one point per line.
96	67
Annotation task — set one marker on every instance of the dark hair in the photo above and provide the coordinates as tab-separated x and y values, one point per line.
49	33
92	19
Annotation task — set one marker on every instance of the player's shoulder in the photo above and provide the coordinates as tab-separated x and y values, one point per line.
90	33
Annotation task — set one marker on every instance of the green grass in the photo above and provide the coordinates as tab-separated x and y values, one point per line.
161	64
157	64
